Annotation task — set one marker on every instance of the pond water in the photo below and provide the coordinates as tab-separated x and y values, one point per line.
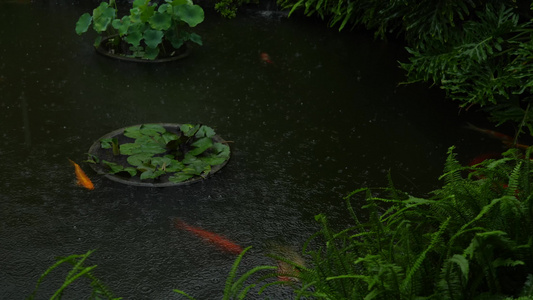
326	117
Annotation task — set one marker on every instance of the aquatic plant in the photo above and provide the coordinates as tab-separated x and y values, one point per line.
478	51
78	271
148	31
235	288
228	8
470	239
151	152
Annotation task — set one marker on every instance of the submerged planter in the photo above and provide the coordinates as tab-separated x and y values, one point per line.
122	52
159	155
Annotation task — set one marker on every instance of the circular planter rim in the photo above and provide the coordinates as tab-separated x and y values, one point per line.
98	168
102	51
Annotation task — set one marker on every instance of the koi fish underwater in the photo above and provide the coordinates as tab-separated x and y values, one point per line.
283	254
504	138
265	58
83	179
217	240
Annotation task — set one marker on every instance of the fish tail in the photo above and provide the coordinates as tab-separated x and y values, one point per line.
179	224
473	127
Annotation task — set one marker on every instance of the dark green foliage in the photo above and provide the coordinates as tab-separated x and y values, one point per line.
479	51
148	30
470	240
99	291
228	8
155	152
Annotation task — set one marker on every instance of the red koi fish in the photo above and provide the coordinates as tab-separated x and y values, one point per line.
83	180
217	240
265	58
287	272
506	140
491	133
482	157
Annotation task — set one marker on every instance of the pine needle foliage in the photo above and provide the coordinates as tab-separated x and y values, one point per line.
469	240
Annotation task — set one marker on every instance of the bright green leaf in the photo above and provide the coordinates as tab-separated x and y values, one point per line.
115	168
153	38
205	131
189	130
83	23
180	177
139	159
201	145
152	129
134	38
102	17
190	14
196	38
160	21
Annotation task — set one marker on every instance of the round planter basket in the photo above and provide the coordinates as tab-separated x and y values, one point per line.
107	154
180	53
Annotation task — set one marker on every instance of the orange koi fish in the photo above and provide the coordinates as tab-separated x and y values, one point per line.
265	58
219	241
491	133
83	180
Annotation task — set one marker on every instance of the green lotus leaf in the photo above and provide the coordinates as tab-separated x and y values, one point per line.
115	168
189	129
213	160
174	166
83	23
102	17
147	13
196	38
174	37
165	8
151	53
134	38
151	129
122	25
149	174
180	177
201	145
153	38
140	3
189	158
169	136
197	168
135	15
221	150
133	131
180	2
139	160
205	131
161	161
160	21
190	14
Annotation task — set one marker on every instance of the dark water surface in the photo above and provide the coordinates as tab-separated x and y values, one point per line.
325	118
